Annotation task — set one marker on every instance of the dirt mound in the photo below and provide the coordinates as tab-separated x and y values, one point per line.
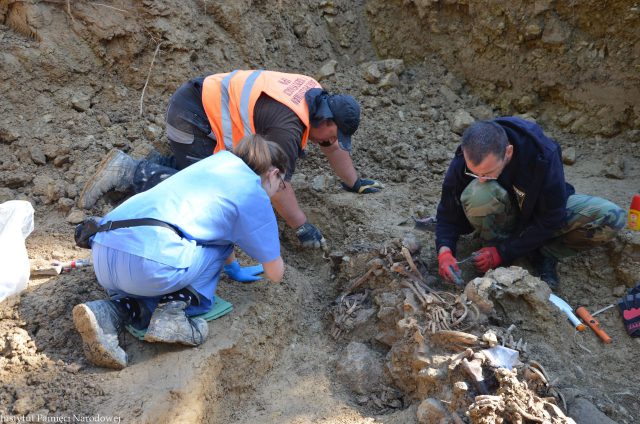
80	78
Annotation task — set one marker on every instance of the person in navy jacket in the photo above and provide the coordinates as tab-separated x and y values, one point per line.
506	181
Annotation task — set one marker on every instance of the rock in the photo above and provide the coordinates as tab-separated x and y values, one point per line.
567	118
449	95
532	31
420	133
6	194
569	156
75	217
393	65
15	179
103	119
619	291
73	368
81	101
360	368
628	264
65	204
37	156
8	135
61	160
614	167
584	412
319	183
389	80
555	32
327	70
632	136
460	121
482	113
431	411
152	132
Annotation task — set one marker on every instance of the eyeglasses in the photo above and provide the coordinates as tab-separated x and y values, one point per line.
480	177
282	185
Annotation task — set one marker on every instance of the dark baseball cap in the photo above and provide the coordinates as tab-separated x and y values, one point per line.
342	109
346	115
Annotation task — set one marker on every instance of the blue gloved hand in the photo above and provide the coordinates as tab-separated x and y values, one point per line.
310	236
364	186
245	274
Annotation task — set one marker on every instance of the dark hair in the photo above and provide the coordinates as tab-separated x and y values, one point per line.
260	154
483	138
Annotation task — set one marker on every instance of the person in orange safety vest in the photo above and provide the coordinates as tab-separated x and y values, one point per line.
212	113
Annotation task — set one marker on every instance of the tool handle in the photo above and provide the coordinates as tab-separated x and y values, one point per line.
593	323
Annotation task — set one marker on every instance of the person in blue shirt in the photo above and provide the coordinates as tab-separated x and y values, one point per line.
506	182
159	276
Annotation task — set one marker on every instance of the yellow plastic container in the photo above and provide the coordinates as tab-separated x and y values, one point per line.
633	221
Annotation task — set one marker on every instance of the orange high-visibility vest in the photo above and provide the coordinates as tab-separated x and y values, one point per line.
229	99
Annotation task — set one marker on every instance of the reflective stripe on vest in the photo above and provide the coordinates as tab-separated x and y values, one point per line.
229	101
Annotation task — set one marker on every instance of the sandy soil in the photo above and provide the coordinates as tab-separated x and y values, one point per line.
77	82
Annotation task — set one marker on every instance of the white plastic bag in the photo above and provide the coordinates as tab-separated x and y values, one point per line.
16	223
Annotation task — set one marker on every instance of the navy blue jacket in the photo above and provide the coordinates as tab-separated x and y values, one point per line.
535	170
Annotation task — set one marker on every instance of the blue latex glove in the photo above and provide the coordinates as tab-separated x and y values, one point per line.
310	236
364	186
245	274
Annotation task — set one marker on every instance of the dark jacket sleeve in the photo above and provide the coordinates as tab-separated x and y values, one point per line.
548	214
451	222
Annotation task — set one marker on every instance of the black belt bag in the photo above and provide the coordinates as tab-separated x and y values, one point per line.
91	226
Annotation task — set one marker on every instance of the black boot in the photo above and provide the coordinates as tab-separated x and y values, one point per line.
545	267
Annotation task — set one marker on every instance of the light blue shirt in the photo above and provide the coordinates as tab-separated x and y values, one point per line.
218	199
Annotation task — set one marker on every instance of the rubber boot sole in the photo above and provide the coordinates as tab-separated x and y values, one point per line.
83	202
92	336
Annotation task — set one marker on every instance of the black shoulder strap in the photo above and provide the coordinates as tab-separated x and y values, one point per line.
140	222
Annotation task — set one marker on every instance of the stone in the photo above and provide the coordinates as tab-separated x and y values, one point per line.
75	217
8	135
37	155
81	101
389	80
15	179
532	31
614	167
569	156
360	368
319	183
371	72
619	291
6	194
460	121
61	160
584	412
393	65
482	112
152	132
327	70
431	411
449	95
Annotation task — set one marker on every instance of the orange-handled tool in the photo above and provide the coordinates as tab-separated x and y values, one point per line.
582	312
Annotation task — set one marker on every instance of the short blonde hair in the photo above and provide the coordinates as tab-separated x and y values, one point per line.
260	154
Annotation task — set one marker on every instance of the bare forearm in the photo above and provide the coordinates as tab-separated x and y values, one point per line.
286	204
341	163
274	270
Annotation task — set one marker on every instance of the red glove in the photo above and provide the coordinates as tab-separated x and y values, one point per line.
486	258
448	266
